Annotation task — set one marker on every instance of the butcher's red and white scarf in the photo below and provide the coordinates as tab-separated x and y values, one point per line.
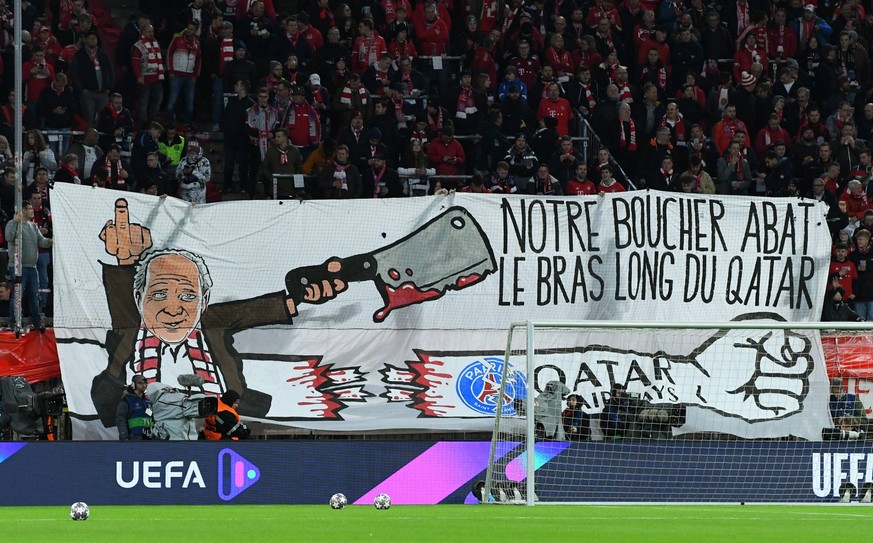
150	351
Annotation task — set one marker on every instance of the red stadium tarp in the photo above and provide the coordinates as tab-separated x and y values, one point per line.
34	356
849	355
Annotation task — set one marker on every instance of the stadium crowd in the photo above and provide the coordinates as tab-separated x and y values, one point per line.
323	99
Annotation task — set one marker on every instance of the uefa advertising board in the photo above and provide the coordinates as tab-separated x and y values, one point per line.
425	472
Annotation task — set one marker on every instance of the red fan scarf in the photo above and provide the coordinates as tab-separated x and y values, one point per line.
624	143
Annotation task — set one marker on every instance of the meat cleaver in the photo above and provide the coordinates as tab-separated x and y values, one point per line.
449	252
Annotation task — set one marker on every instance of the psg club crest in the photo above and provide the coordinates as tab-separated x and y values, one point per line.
478	386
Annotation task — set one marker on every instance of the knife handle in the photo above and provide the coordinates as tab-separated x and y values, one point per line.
352	269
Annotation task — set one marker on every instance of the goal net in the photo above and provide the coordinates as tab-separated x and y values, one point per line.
668	412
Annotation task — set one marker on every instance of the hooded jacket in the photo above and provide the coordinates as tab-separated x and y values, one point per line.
192	187
548	409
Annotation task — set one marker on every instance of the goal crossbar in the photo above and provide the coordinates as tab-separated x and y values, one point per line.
736	325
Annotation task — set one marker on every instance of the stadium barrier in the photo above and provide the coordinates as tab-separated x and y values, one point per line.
416	472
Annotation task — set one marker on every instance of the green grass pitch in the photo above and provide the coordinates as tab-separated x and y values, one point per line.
439	523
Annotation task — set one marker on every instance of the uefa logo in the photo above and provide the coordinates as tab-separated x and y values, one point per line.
235	474
479	383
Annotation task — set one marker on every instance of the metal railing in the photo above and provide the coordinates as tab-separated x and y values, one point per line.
420	59
54	138
299	181
58	141
591	143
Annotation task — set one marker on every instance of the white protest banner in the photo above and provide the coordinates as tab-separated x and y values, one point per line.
392	314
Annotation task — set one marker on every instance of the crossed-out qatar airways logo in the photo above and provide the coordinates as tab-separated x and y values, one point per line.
757	375
235	474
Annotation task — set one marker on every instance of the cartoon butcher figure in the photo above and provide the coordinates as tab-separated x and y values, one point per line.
163	325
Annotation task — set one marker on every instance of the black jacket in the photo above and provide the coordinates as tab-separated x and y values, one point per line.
517	117
282	47
863	287
84	74
156	176
491	148
563	170
143	146
778	178
107	124
838	312
352	181
239	70
358	149
49	99
473	121
390	179
235	116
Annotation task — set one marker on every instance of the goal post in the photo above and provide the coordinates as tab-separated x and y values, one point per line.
669	412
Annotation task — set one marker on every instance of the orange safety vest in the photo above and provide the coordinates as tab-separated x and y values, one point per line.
210	429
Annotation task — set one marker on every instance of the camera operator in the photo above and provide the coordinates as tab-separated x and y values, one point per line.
846	429
842	404
177	409
225	424
133	416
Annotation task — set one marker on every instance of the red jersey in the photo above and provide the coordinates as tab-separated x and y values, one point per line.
642	34
475	190
598	12
431	38
484	62
366	51
561	110
847	272
438	153
745	57
561	61
723	133
581	188
490	14
782	37
303	124
856	204
417	15
390	7
528	68
614	187
67	54
35	83
313	37
397	49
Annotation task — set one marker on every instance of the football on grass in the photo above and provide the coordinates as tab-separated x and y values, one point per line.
338	501
80	511
382	501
